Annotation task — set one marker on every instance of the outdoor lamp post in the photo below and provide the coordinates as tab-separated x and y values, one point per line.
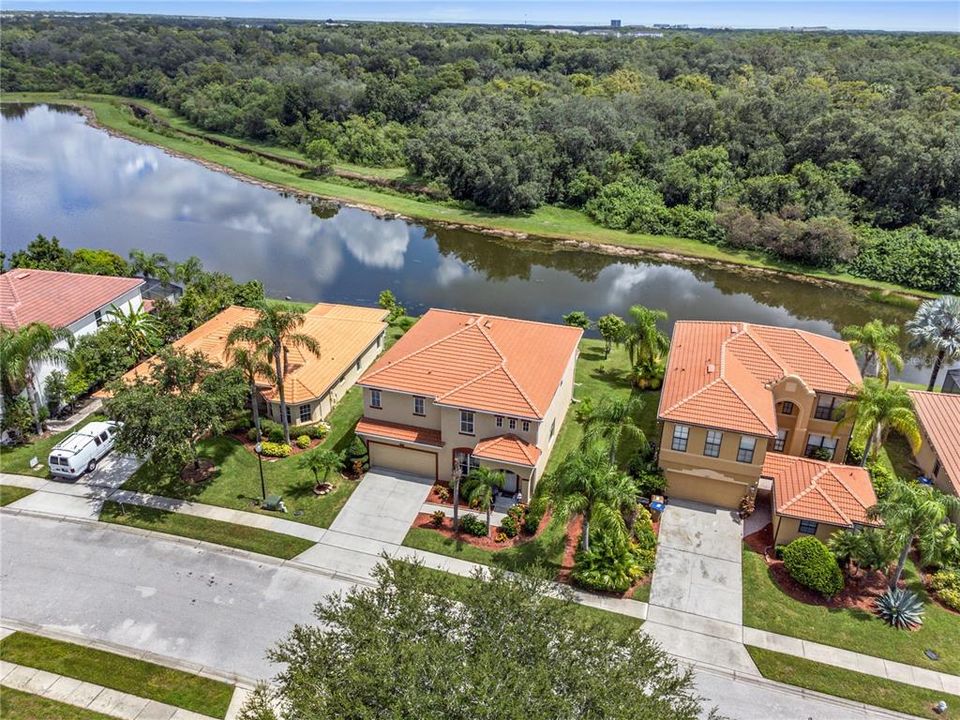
263	486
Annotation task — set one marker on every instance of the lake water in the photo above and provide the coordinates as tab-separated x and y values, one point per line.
62	177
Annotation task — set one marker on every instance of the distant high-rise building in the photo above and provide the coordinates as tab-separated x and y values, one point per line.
614	23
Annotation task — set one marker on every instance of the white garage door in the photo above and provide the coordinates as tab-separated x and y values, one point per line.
408	460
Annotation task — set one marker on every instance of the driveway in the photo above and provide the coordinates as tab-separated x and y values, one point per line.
384	506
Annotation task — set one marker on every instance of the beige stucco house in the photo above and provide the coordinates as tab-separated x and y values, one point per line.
460	390
939	455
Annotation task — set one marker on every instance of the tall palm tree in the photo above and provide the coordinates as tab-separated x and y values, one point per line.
644	340
149	265
254	362
877	344
277	326
139	329
936	325
877	409
614	421
913	512
188	271
588	484
21	351
479	485
321	462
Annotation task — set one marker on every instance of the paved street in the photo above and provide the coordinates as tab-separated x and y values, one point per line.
222	610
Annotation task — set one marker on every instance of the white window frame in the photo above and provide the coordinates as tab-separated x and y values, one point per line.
309	417
375	399
419	405
681	438
512	423
498	420
525	426
467	422
780	441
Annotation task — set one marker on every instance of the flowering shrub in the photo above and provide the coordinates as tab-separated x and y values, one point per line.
275	449
303	442
437	518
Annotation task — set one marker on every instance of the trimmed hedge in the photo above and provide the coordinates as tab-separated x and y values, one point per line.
811	564
274	449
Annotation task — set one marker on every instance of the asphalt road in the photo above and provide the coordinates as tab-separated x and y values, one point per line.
223	611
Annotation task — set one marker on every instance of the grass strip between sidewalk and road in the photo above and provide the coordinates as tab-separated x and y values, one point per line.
118	672
19	705
851	685
232	535
12	493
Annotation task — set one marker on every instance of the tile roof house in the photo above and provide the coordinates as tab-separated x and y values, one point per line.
939	456
75	301
735	393
350	339
463	389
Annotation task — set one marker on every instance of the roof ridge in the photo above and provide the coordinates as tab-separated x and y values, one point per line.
815	483
371	373
839	479
802	334
692	395
710	384
748	405
774	358
472	380
506	370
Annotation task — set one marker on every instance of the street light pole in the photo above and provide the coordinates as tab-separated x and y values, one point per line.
263	485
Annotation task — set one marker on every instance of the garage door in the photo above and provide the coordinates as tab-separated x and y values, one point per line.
704	490
408	460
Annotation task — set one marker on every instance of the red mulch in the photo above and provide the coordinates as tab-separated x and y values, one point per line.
434	497
294	450
574	531
425	521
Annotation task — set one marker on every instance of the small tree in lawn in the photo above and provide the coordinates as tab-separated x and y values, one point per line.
577	318
613	329
253	362
479	486
321	462
165	415
322	154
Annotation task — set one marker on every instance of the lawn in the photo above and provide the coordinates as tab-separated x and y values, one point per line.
852	685
129	675
232	535
11	493
18	705
16	460
766	607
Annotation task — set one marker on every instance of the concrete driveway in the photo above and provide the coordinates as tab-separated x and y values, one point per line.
384	506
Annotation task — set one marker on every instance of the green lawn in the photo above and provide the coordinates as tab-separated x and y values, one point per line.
129	675
232	535
12	493
16	460
18	705
852	685
767	608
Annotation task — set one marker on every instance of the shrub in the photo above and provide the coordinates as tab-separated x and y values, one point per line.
610	565
267	426
811	564
946	583
317	430
950	598
357	448
778	551
883	480
510	527
275	449
900	608
643	533
651	483
437	518
531	522
303	442
237	423
472	525
275	434
252	434
517	511
500	537
444	493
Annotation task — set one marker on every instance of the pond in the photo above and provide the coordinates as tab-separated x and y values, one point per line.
63	177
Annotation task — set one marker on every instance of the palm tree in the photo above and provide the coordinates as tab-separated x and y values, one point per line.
139	329
276	326
253	362
614	421
321	462
644	340
588	484
457	477
877	409
910	512
21	351
149	265
936	325
877	343
849	545
188	271
479	486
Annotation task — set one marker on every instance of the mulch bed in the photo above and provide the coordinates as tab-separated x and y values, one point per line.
196	475
425	521
294	450
574	531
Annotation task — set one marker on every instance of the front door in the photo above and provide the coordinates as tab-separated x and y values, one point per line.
511	483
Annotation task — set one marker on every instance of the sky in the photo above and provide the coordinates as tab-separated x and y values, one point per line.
911	15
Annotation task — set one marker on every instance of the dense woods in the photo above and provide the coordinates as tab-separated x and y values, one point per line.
829	150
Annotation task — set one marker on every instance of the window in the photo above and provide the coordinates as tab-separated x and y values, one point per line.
466	422
553	427
786	407
306	413
808	527
499	420
747	446
525	426
711	448
513	423
781	441
379	338
98	316
465	462
825	407
375	399
97	440
418	406
358	366
103	435
820	447
936	468
681	433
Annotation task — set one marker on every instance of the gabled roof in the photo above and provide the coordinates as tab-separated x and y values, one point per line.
820	491
56	298
939	416
481	362
719	373
371	427
508	448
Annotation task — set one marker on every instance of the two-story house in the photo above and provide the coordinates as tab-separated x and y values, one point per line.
938	414
735	393
461	390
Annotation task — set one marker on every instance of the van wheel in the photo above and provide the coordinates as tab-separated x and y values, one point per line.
91	466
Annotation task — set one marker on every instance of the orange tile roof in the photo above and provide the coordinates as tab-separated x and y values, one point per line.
718	373
56	298
396	431
939	416
481	362
508	448
343	331
820	491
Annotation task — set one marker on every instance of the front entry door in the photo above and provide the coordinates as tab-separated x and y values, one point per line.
511	483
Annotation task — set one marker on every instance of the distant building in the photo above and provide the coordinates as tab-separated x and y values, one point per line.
614	23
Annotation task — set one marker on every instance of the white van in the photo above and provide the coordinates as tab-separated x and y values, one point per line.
80	452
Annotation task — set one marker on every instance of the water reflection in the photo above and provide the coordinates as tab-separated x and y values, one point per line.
61	177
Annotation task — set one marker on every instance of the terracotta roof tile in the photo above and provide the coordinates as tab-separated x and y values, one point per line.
508	448
718	373
482	362
396	431
56	298
939	416
820	491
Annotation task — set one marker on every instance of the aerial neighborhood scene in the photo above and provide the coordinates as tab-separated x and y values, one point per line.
480	361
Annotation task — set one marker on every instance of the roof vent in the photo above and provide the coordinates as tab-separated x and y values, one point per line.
733	328
711	368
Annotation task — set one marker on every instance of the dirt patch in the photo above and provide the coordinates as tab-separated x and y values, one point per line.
199	473
574	531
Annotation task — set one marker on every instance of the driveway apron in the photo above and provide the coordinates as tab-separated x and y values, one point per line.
384	506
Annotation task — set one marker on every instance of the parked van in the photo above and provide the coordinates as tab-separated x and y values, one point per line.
80	452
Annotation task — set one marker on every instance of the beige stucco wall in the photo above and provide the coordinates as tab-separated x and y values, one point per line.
802	423
398	408
786	529
926	458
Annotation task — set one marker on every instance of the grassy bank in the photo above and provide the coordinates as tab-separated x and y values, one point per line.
547	222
